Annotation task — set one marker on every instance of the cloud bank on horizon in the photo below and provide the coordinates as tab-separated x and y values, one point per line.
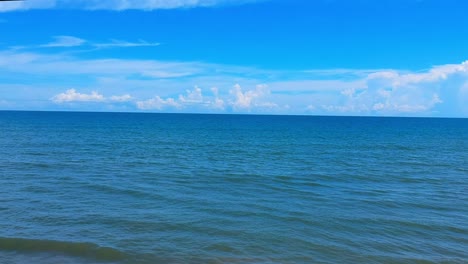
153	70
114	84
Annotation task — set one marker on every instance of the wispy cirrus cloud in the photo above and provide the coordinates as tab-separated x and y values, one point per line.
65	41
71	41
125	44
6	6
114	4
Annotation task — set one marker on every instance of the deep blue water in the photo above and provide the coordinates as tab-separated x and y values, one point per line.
175	188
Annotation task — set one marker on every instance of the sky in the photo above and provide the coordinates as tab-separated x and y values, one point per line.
322	57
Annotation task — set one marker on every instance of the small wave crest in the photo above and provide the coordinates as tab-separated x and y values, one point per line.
74	249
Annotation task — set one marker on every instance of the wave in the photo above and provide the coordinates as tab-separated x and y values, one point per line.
74	249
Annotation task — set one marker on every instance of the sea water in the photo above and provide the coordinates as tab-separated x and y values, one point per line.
189	188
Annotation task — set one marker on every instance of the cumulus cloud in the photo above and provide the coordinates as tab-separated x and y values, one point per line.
438	91
217	103
250	98
247	100
391	92
157	103
387	100
310	108
72	95
113	4
193	97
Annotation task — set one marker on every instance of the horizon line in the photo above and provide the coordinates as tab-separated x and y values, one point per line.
232	114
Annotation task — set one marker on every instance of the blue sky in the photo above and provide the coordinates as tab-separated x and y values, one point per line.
323	57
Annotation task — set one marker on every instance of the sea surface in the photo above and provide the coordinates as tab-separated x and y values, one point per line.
189	188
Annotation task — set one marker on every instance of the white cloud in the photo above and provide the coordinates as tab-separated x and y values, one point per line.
410	106
121	98
165	74
125	44
73	96
245	100
65	41
113	4
160	85
391	93
217	102
157	103
71	41
13	60
463	98
24	5
192	97
311	108
36	63
268	105
435	74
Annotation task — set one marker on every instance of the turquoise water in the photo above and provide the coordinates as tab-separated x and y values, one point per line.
174	188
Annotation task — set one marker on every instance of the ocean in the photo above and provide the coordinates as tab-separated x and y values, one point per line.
189	188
